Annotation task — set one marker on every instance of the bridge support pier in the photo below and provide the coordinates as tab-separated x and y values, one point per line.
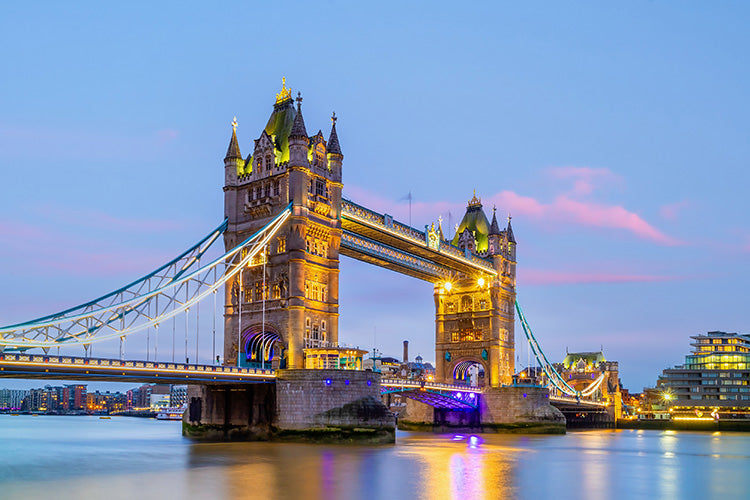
301	405
501	409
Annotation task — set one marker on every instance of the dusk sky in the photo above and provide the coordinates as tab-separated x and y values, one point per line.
615	135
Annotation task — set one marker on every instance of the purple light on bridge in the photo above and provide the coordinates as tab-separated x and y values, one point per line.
524	394
369	383
329	381
458	395
471	395
346	382
458	437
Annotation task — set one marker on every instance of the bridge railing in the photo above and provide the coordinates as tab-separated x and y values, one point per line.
83	362
387	223
400	382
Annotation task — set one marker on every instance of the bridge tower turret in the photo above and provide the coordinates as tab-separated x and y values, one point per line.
300	299
474	314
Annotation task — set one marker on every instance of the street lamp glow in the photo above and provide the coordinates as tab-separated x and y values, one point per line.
480	282
448	286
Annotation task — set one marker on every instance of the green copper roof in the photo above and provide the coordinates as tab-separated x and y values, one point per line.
590	358
279	126
476	222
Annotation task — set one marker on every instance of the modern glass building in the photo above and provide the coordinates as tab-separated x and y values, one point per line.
716	375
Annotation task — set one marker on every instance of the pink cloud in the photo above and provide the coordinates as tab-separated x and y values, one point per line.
546	277
671	211
585	179
563	209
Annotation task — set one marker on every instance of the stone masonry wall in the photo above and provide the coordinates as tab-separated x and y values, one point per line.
328	399
519	407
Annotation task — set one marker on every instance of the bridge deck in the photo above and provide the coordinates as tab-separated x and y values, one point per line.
363	222
115	370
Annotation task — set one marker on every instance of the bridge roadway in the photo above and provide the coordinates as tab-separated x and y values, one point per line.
463	396
380	240
44	366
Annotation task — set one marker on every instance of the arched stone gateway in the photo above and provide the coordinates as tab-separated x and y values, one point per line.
262	347
469	372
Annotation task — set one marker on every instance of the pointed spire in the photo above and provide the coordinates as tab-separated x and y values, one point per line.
494	227
509	230
234	147
298	127
333	139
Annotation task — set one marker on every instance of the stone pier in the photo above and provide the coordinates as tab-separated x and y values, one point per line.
302	405
501	409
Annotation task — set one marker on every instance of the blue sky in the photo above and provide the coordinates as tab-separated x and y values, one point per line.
616	135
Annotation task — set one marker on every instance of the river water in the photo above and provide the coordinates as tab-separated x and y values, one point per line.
87	457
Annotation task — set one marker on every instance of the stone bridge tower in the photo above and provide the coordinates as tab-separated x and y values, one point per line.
300	297
474	315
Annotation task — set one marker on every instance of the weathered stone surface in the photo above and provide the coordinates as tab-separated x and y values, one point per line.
502	409
230	412
303	405
311	401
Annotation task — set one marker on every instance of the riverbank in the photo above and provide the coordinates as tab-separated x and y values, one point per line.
686	425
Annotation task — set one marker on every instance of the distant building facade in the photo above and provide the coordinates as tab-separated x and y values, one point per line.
12	399
715	376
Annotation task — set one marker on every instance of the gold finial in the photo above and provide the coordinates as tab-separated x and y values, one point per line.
285	92
299	101
474	201
333	118
234	124
509	217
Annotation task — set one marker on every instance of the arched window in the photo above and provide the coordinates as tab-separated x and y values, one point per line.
466	303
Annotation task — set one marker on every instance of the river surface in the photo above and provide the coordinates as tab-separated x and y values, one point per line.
132	458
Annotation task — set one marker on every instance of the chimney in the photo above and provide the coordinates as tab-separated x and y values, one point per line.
406	351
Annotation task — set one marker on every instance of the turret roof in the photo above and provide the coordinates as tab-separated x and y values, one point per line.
509	231
333	139
279	126
298	127
476	222
494	227
233	151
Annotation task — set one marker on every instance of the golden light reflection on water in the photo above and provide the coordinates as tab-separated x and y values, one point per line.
71	458
448	467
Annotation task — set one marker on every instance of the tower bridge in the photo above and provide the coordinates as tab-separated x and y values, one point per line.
286	224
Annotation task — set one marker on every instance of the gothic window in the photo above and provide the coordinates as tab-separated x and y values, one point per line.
257	192
466	303
276	188
269	162
281	245
320	188
320	155
276	291
311	189
482	304
250	195
268	190
323	292
315	332
259	164
307	290
450	307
